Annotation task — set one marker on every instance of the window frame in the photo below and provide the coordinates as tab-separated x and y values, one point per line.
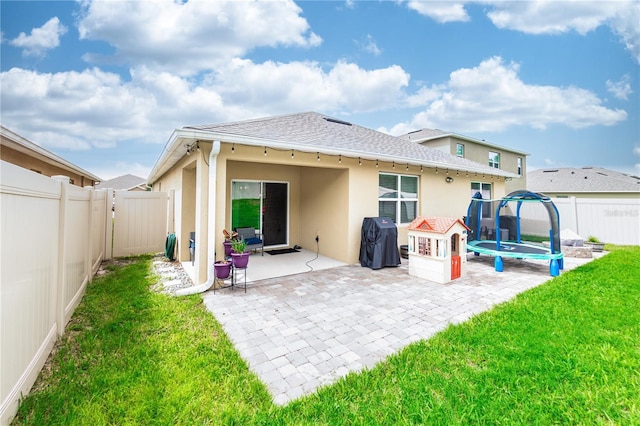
486	207
399	199
460	150
519	166
493	156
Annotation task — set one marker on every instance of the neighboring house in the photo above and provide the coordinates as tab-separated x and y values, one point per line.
477	150
301	176
19	151
126	182
585	182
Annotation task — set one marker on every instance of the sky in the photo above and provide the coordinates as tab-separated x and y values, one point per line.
104	83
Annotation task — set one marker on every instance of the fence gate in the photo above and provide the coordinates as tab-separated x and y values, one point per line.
139	222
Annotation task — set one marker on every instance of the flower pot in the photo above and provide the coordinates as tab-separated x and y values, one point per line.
223	269
595	246
240	260
227	248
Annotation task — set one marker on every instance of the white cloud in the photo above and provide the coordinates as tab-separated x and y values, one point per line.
188	37
99	109
440	11
369	45
491	97
556	17
621	89
547	17
41	39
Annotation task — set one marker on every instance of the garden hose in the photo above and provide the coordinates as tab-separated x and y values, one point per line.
170	247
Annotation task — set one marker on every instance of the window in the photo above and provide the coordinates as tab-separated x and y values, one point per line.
460	150
485	190
494	160
520	166
398	197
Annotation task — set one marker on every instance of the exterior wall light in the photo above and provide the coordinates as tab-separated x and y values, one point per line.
448	179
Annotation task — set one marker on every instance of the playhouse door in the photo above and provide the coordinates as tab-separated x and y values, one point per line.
455	267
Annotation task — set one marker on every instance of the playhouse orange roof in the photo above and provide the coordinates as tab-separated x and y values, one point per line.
440	225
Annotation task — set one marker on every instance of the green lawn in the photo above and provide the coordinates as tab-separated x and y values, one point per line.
567	352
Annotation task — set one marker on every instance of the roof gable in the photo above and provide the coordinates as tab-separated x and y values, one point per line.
439	225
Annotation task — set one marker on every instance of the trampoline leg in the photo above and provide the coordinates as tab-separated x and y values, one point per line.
561	263
475	253
554	268
498	264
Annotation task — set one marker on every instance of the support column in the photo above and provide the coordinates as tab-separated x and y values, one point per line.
208	226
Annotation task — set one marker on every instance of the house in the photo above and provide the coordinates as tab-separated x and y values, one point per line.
585	182
19	151
304	179
477	150
126	182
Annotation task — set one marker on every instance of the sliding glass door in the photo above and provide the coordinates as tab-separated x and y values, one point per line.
264	206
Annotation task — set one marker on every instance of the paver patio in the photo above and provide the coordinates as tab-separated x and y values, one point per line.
303	331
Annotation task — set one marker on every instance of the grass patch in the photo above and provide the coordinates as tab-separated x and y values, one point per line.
131	356
567	352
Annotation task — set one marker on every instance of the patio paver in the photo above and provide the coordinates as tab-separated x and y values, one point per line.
303	331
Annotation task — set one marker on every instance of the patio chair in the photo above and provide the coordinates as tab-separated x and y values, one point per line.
252	238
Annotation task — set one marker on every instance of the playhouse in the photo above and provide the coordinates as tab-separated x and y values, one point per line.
437	248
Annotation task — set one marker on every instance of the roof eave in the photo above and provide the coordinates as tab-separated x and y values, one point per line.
170	156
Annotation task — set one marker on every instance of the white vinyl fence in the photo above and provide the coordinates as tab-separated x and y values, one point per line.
615	221
53	237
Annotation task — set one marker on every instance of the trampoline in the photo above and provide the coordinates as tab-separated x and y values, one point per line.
496	231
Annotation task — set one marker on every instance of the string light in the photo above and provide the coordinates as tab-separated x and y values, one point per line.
265	151
421	170
407	166
292	154
377	164
233	148
359	161
436	170
340	158
394	165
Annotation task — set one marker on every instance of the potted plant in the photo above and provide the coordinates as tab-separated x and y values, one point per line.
240	254
223	269
229	237
595	243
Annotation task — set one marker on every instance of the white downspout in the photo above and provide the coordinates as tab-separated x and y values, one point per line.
211	226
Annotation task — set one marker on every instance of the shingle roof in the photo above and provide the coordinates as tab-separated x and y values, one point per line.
311	131
125	182
424	135
586	179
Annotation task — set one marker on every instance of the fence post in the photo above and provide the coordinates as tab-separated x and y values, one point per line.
108	224
574	213
60	285
89	256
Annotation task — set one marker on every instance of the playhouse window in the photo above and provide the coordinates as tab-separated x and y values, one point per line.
398	197
424	246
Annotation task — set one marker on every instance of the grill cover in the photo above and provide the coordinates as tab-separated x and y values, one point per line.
379	244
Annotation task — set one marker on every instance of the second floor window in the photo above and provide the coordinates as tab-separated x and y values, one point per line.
494	160
519	166
460	150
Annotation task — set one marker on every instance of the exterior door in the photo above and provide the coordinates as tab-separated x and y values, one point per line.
263	206
275	208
